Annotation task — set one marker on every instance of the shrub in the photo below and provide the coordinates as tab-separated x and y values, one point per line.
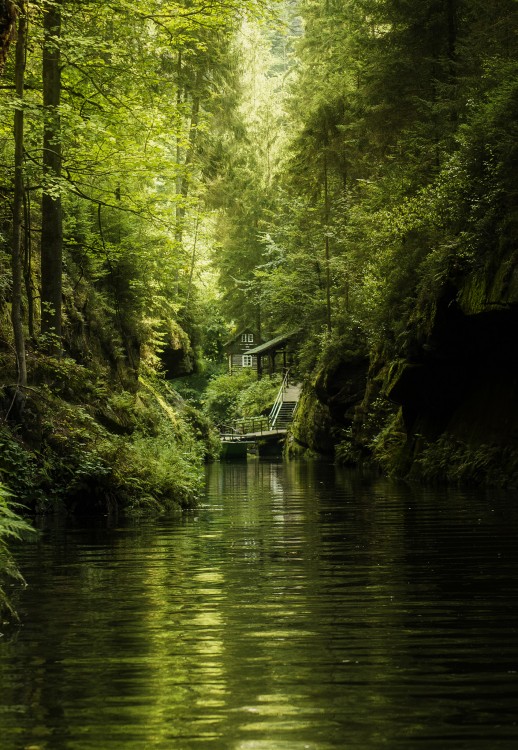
454	461
19	469
11	527
230	397
259	396
222	396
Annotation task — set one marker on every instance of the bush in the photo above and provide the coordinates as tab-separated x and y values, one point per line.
126	451
151	474
230	397
222	396
19	470
259	397
454	461
11	527
160	467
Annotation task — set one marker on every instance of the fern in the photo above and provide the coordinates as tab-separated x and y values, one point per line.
12	527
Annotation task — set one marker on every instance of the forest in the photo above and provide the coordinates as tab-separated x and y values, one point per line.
177	171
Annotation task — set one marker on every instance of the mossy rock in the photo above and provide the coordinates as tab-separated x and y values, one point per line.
313	427
496	285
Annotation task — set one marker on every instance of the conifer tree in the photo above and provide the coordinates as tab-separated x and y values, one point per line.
18	195
51	202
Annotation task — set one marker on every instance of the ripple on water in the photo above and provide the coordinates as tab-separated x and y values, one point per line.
299	607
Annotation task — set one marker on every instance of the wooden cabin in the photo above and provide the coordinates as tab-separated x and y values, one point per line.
267	355
237	351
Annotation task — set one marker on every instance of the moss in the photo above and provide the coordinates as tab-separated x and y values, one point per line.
294	449
472	297
115	450
389	445
494	285
312	427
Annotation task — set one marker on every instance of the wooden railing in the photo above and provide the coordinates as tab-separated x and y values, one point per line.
256	425
246	426
272	417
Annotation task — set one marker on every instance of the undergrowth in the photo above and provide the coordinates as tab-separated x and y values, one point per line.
86	446
449	460
12	527
242	395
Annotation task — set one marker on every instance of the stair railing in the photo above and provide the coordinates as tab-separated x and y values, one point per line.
248	425
274	413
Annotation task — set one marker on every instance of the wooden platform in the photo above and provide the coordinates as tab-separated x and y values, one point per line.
251	437
266	432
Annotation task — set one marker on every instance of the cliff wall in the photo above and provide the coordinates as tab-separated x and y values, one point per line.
442	408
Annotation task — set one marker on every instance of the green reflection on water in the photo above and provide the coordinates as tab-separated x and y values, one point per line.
300	607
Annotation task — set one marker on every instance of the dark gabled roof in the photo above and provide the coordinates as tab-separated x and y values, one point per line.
275	343
236	336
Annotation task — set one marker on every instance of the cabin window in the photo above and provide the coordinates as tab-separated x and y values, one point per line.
250	337
247	338
247	360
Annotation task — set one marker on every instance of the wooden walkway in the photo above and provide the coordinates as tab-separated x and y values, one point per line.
251	437
269	428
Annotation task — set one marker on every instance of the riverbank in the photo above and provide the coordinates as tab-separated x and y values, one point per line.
443	409
77	441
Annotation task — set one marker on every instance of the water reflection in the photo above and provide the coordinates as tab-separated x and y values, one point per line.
299	607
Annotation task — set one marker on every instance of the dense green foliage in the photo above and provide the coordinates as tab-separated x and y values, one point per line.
239	396
391	191
397	162
11	527
91	449
104	108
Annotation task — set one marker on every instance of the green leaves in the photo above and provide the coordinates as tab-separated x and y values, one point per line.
12	527
394	172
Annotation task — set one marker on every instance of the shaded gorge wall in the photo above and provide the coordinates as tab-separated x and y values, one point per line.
441	407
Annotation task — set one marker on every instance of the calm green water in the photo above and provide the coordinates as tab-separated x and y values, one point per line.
299	607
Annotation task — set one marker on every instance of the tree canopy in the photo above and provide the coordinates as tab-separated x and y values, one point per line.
392	165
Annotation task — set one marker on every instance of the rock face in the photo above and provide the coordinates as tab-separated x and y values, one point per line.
327	406
444	408
458	391
311	430
465	382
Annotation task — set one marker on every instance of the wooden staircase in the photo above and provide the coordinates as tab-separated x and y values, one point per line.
281	415
266	428
285	415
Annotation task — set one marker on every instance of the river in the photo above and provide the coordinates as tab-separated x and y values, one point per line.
299	607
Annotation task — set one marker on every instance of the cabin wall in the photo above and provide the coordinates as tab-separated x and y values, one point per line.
236	363
238	348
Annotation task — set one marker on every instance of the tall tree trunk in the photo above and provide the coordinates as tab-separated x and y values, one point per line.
16	255
193	262
7	27
451	21
27	263
51	211
179	178
182	183
327	248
